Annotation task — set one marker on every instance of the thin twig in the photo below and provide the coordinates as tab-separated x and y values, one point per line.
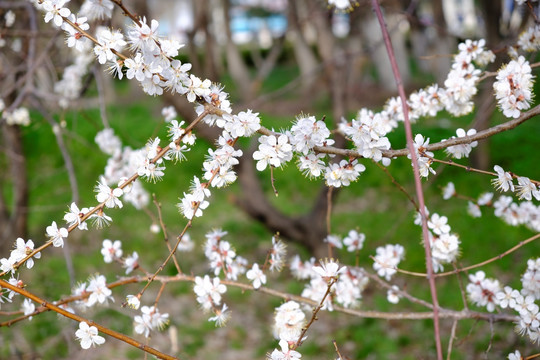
165	234
272	181
101	92
159	294
467	268
127	13
461	288
532	11
471	169
451	341
340	357
398	185
315	312
329	217
188	225
416	172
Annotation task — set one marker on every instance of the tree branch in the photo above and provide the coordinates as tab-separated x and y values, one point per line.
418	183
78	318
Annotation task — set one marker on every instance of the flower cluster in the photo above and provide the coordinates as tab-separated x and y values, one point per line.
368	133
256	276
222	256
529	40
347	290
277	254
20	116
123	162
392	295
531	278
110	197
274	150
513	213
462	150
108	142
344	173
149	320
22	250
285	353
94	292
111	250
208	293
513	87
354	241
56	235
424	157
482	291
288	321
387	259
444	245
462	79
524	301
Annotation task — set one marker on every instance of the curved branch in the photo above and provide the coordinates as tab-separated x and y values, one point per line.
369	314
480	264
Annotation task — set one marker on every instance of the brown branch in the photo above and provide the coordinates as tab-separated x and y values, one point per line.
444	313
103	329
127	13
315	312
484	134
450	314
67	300
340	357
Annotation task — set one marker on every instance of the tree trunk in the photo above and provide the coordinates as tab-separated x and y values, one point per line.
305	58
14	222
235	64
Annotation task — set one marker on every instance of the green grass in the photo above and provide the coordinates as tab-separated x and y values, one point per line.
372	205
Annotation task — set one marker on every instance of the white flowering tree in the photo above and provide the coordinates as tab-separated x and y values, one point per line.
337	154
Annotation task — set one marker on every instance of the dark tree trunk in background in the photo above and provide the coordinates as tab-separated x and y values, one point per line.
235	64
306	60
13	219
211	48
